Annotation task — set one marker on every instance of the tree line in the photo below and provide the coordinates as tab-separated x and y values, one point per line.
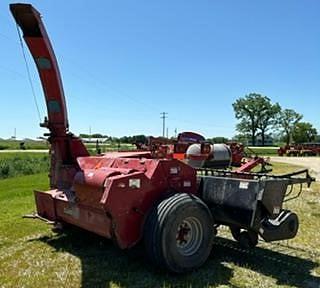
258	116
124	139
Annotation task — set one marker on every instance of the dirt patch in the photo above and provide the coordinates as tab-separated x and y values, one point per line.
312	163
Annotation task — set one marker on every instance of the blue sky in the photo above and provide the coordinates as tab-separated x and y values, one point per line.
124	62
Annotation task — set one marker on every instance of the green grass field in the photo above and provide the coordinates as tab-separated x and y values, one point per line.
262	151
31	255
43	145
105	147
29	144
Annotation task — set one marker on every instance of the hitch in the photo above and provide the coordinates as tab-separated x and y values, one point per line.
37	216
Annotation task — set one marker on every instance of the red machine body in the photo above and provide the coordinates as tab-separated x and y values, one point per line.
65	147
237	151
169	148
127	196
249	164
111	194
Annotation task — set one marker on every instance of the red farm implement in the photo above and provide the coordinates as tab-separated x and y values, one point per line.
303	149
174	207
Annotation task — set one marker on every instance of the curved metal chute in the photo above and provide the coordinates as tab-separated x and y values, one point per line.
37	40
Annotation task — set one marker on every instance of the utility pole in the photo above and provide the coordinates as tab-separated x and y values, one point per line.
175	133
168	132
163	117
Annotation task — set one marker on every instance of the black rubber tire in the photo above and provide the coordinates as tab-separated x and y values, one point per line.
248	239
160	232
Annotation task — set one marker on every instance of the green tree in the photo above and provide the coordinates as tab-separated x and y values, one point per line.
97	135
139	139
255	112
134	139
288	121
304	132
125	139
268	119
241	138
219	139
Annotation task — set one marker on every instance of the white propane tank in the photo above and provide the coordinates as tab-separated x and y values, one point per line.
219	156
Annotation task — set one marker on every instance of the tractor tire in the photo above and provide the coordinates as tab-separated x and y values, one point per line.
178	233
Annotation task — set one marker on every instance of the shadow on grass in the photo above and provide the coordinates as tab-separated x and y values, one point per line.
286	269
104	264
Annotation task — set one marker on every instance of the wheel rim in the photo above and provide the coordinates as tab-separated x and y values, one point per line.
189	236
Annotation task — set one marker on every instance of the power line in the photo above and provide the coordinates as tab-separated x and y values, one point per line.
29	74
7	37
163	117
102	84
12	72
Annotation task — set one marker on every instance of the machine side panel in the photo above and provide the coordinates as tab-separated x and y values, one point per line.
45	204
129	198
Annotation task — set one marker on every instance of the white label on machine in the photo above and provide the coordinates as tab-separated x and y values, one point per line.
122	185
186	183
174	170
260	194
72	211
244	185
276	210
134	183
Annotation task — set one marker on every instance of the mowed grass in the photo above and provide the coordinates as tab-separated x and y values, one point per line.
262	151
31	255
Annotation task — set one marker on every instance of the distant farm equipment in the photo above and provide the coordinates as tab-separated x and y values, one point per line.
303	149
193	149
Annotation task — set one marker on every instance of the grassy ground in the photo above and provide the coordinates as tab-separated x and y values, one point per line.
28	144
105	147
41	145
31	255
262	151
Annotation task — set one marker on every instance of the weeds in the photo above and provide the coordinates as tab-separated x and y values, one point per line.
12	165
